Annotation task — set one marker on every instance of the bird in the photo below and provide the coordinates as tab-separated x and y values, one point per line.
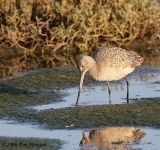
108	64
112	137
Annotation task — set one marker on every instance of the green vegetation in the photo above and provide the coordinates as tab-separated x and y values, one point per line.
144	113
38	87
18	94
29	143
35	34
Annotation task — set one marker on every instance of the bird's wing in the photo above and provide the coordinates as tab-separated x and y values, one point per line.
117	57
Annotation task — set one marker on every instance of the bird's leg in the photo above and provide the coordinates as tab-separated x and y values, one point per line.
78	96
109	92
127	89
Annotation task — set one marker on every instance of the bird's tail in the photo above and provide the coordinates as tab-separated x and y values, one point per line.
138	134
136	58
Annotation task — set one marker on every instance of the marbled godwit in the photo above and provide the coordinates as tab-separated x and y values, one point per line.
105	137
108	64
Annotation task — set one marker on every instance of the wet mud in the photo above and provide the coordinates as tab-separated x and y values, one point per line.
46	97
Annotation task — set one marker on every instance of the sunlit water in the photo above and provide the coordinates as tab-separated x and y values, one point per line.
150	141
144	86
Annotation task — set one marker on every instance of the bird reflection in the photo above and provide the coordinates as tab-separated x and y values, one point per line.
114	138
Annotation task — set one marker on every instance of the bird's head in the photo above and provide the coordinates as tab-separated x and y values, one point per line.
83	65
85	138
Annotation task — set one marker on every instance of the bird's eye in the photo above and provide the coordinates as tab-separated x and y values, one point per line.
82	66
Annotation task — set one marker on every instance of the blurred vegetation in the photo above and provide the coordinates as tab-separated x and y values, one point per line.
38	33
12	143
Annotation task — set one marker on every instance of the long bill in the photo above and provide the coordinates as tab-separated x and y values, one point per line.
80	86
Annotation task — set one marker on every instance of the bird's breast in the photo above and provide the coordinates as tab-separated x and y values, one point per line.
112	73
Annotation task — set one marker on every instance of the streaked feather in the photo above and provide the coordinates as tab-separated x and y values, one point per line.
117	57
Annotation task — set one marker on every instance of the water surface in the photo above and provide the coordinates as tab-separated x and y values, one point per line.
72	138
141	86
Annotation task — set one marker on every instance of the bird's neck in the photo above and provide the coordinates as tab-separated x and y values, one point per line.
93	69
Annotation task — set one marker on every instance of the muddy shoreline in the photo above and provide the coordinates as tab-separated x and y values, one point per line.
10	143
19	94
43	86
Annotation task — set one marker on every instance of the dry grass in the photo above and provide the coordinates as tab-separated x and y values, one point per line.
38	33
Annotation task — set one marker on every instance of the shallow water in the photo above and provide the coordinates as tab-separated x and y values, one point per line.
141	86
9	129
72	138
